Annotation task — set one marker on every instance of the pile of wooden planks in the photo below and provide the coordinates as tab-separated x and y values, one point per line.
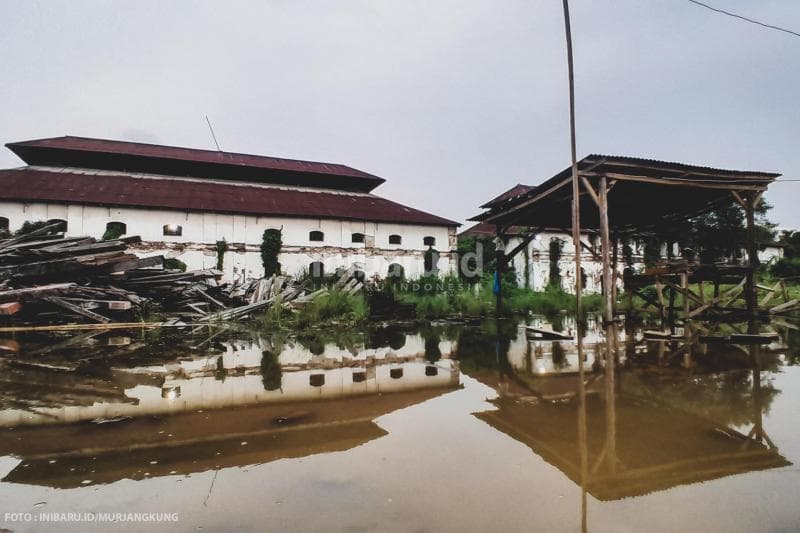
46	277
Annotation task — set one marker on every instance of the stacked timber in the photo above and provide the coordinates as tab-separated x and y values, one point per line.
46	277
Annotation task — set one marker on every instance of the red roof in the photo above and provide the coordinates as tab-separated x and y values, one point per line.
107	154
31	184
516	190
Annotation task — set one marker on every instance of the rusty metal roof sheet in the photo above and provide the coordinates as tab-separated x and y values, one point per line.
107	154
648	194
36	184
514	191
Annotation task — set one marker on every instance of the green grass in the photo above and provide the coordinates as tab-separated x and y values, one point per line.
334	306
465	300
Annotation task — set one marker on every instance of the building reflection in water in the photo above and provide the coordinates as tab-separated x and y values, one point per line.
628	417
236	402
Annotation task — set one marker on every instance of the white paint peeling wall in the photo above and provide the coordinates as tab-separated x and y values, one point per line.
196	246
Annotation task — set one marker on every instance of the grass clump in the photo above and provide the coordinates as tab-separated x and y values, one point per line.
333	305
443	298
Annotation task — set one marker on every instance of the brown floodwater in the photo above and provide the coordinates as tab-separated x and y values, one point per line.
450	426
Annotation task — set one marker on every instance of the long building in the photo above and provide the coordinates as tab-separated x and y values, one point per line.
184	202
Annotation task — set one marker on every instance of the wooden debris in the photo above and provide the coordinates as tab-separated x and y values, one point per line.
546	334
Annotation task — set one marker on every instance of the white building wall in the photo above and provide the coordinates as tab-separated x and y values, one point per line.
538	258
201	230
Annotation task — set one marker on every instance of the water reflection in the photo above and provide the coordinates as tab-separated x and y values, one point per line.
208	402
622	416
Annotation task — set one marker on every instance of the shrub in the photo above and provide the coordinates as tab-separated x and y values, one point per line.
172	263
786	267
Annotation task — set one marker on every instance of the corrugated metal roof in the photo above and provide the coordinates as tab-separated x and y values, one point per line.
172	160
31	184
652	192
516	190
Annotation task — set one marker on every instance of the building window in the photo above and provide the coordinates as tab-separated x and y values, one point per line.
357	237
173	230
316	270
114	230
62	224
429	241
316	236
395	239
360	276
3	224
396	271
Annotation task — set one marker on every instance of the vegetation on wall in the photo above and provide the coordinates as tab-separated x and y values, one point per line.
222	247
271	243
114	230
555	253
172	263
431	260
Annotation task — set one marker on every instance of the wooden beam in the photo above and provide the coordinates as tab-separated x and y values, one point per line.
529	201
605	239
521	246
681	183
590	190
77	309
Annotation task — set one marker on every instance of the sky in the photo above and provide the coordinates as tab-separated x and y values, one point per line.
452	101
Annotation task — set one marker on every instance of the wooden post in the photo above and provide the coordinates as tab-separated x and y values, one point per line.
685	287
500	260
576	205
752	254
605	240
614	269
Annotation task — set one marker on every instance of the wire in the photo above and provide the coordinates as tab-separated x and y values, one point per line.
764	24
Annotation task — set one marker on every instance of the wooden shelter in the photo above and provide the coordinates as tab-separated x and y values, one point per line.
625	195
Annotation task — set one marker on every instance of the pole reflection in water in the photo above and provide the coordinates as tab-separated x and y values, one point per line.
669	425
584	452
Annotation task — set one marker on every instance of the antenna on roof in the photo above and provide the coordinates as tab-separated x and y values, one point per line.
212	134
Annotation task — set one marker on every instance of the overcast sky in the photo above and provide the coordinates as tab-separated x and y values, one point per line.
451	101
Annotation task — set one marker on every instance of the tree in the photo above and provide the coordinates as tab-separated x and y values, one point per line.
791	242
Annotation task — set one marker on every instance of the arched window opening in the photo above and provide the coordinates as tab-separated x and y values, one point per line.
114	230
360	275
316	236
395	239
316	270
62	224
396	272
357	237
429	241
431	262
173	230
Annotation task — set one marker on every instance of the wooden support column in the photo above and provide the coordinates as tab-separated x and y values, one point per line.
605	240
685	290
614	269
500	263
750	202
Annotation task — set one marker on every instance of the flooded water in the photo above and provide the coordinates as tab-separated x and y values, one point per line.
451	426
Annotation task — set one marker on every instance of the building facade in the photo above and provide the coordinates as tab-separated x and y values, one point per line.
187	204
